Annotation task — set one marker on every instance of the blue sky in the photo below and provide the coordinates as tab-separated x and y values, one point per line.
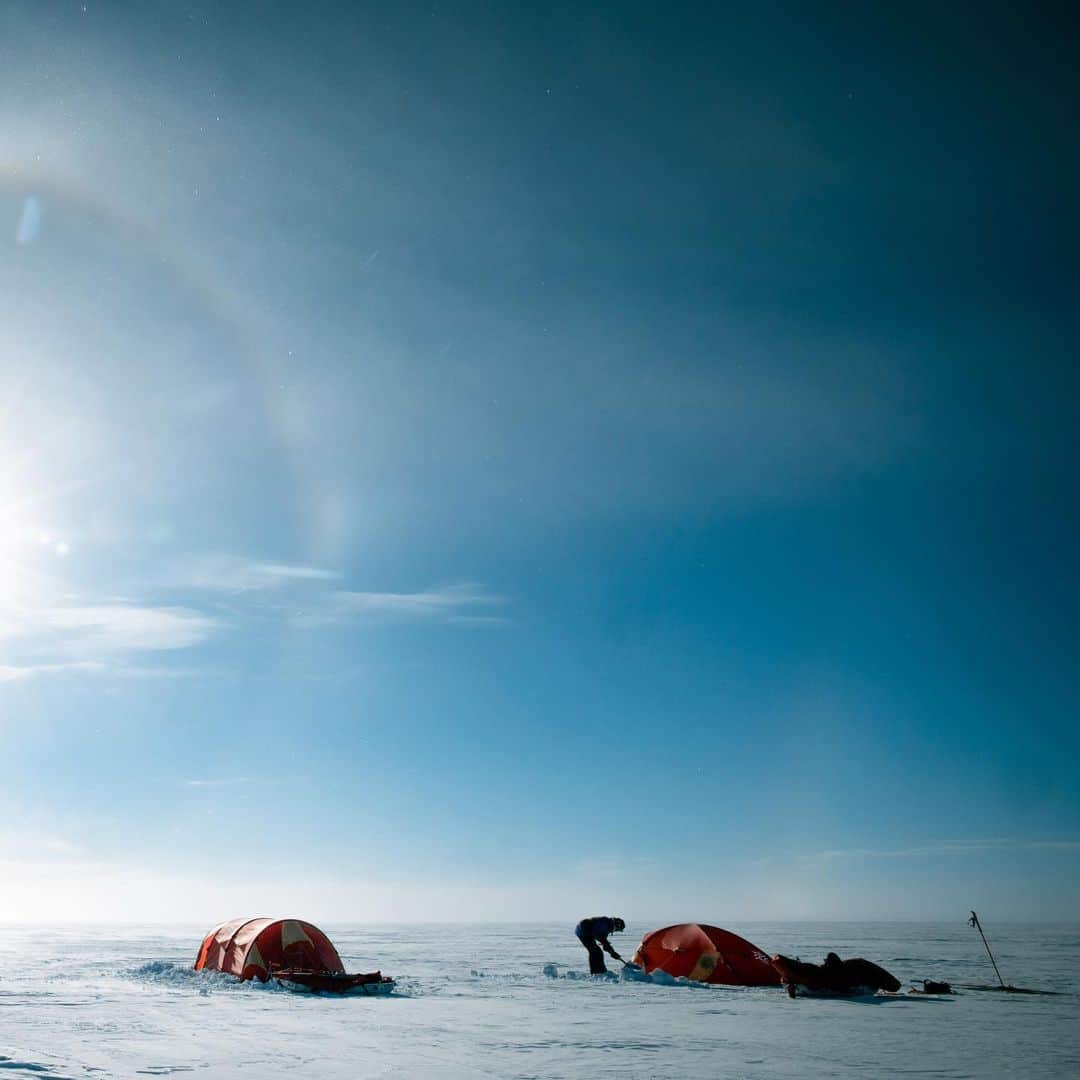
465	464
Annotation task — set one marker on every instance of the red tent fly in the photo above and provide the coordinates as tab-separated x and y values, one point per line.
292	952
706	954
252	948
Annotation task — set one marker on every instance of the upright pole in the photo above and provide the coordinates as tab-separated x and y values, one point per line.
974	921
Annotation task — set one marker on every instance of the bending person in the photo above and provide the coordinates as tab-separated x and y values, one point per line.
593	934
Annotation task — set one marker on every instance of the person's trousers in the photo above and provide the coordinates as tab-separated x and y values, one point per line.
596	954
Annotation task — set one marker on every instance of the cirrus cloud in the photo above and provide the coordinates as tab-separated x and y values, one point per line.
465	603
91	638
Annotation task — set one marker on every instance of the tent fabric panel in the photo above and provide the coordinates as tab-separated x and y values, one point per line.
296	944
706	954
326	955
204	948
212	953
740	962
253	965
223	939
676	949
235	959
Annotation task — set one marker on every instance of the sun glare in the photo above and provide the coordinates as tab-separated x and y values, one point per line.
22	543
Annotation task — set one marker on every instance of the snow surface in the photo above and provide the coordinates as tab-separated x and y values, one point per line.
513	1001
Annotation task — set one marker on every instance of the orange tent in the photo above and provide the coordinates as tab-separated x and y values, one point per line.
705	954
251	948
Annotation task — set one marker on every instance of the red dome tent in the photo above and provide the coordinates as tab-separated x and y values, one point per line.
706	954
253	948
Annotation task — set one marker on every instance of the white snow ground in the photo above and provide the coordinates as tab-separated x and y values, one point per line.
475	1001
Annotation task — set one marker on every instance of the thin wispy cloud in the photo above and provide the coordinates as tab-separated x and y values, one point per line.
111	635
19	673
280	572
82	639
465	603
110	628
310	596
217	782
223	573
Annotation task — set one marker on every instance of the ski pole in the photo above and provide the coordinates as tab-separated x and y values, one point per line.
974	921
